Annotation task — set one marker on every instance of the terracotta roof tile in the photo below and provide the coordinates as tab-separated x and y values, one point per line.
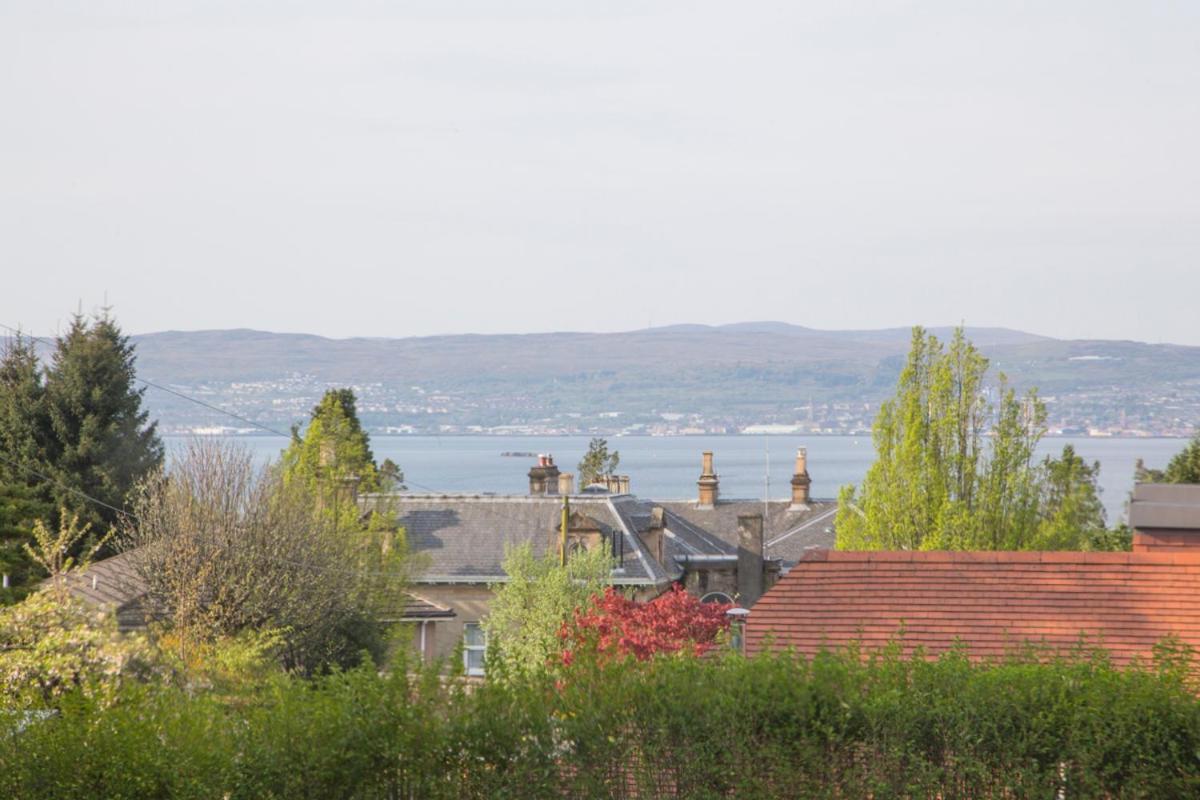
990	601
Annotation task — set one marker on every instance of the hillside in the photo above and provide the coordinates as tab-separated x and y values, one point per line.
700	377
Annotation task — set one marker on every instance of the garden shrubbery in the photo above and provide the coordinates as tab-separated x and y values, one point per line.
837	725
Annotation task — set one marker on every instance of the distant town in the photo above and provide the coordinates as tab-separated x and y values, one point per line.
429	410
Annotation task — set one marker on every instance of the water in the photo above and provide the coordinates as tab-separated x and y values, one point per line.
666	468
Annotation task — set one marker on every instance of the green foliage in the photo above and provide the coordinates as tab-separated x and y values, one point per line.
391	477
597	462
528	611
1184	467
52	644
1070	507
52	551
24	430
774	726
225	548
20	508
937	485
333	449
100	443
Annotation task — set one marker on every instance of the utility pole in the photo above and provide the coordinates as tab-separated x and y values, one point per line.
562	532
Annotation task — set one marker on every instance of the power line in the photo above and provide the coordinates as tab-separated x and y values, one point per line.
132	516
61	485
198	402
161	388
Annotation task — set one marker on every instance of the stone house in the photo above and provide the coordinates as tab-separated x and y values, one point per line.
719	549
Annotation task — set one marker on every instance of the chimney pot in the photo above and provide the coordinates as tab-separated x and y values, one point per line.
624	484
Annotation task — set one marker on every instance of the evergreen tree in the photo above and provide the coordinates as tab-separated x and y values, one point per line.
391	477
100	441
597	463
23	434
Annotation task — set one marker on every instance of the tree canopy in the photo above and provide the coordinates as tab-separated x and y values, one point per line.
333	448
225	548
528	611
956	471
597	462
1184	466
72	428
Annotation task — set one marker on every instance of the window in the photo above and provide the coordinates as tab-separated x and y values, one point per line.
717	597
474	646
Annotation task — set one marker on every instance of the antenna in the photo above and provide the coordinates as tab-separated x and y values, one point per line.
766	476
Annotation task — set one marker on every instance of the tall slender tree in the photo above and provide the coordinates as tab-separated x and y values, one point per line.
936	483
101	442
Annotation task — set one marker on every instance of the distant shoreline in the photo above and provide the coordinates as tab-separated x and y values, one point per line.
867	434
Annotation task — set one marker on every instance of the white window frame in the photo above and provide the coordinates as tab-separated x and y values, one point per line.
474	648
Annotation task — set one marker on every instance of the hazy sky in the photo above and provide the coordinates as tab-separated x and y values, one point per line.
403	168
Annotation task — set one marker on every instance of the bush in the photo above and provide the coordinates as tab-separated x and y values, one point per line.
837	725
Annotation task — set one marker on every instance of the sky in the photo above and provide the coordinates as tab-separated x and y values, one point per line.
413	168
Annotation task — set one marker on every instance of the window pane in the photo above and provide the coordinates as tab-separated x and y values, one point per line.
473	635
474	662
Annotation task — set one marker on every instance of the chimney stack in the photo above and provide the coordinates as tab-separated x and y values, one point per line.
655	533
543	478
708	483
800	481
566	483
749	559
1165	517
623	484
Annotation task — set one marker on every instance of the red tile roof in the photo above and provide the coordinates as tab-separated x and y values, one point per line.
992	602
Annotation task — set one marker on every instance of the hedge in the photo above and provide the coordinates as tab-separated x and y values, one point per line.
838	725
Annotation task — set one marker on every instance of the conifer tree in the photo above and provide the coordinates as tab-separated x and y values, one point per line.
23	433
100	441
597	463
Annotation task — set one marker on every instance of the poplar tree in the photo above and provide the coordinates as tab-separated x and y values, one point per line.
100	441
936	483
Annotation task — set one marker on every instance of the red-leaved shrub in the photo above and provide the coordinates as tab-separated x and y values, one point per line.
616	626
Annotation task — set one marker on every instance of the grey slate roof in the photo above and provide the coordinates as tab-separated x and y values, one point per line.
462	538
115	584
1173	506
787	533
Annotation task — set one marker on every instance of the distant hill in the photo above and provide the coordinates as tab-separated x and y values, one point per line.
691	376
721	377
